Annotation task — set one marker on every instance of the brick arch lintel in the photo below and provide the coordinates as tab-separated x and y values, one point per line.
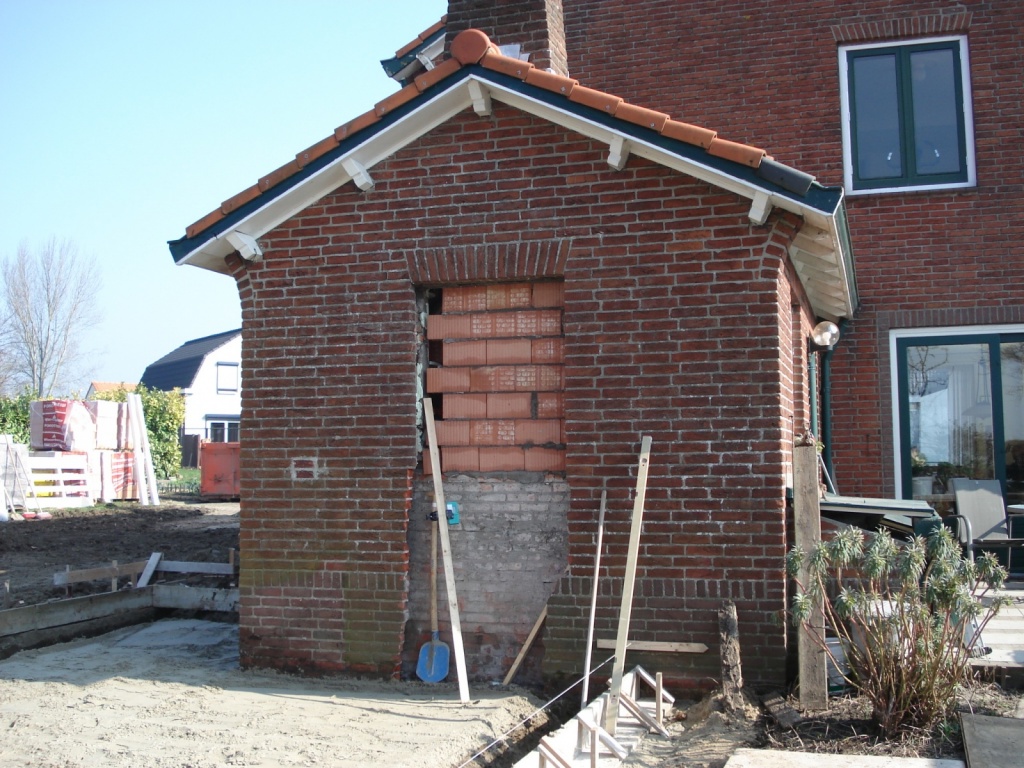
489	262
954	20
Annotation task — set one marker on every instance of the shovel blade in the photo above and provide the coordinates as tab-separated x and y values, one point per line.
432	666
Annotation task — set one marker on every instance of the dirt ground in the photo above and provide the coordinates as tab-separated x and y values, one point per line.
32	551
186	703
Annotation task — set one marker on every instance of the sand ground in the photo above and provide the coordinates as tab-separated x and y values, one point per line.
171	695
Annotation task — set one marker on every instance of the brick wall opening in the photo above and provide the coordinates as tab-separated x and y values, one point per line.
492	363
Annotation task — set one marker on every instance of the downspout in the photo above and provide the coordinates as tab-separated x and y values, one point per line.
826	416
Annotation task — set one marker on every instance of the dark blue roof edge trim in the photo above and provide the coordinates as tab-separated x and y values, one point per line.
777	177
824	199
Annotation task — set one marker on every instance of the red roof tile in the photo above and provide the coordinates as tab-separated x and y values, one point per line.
596	99
550	81
396	100
474	47
422	37
506	64
365	120
440	72
321	148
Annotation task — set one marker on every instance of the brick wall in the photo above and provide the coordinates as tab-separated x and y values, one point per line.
537	25
676	318
945	258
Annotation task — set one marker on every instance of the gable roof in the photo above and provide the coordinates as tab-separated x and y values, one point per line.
478	73
179	368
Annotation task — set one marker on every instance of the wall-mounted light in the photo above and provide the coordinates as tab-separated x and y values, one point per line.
824	336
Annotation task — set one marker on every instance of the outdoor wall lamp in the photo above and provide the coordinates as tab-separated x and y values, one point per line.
824	336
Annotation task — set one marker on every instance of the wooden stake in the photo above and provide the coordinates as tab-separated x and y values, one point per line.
628	584
446	551
526	646
807	524
593	599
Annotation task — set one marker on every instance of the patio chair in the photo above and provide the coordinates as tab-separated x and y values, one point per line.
982	520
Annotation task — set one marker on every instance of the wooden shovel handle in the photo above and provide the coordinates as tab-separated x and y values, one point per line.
433	578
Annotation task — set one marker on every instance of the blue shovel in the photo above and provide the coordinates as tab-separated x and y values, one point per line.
433	662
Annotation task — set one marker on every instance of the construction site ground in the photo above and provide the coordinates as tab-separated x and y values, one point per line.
171	693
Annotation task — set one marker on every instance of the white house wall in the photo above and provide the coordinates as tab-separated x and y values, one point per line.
204	400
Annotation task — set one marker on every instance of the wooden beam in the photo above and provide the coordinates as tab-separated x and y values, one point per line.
588	656
629	581
526	646
654	646
149	570
446	551
812	668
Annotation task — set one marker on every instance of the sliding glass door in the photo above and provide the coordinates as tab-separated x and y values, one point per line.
961	412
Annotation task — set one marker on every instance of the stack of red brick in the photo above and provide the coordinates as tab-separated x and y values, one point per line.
500	378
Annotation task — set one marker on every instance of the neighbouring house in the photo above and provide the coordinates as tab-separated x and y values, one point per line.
568	252
97	387
208	373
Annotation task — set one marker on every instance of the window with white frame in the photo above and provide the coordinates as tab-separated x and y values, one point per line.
227	377
222	431
906	114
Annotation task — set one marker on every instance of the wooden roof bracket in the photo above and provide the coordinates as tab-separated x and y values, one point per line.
760	208
618	152
358	172
246	245
481	98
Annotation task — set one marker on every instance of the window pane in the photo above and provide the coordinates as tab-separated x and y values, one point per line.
949	398
936	120
877	119
232	431
217	431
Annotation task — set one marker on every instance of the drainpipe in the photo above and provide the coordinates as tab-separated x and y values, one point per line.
823	338
826	415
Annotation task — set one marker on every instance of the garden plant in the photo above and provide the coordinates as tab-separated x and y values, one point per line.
909	616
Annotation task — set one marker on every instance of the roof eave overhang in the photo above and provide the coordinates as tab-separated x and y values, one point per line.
820	251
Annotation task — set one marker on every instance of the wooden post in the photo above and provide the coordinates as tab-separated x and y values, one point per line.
807	524
729	649
615	688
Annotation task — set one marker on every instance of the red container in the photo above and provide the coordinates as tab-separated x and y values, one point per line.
219	470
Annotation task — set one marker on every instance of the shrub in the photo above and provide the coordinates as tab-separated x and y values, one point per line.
14	416
904	614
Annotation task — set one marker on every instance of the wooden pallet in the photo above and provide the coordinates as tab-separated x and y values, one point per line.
60	480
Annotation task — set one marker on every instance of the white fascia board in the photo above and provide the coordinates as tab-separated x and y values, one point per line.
446	105
378	147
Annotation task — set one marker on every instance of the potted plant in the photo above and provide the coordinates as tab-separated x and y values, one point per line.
923	477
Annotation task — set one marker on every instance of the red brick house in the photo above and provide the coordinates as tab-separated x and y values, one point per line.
568	253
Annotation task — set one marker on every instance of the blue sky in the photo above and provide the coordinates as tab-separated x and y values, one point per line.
123	121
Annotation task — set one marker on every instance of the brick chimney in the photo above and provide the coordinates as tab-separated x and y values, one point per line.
537	25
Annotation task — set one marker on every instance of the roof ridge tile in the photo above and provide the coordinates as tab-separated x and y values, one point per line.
549	81
431	77
507	65
591	97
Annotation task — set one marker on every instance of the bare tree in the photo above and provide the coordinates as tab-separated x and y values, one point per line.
51	302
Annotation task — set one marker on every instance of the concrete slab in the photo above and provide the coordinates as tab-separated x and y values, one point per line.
770	758
992	742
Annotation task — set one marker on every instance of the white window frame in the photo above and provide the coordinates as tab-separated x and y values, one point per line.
224	367
844	103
